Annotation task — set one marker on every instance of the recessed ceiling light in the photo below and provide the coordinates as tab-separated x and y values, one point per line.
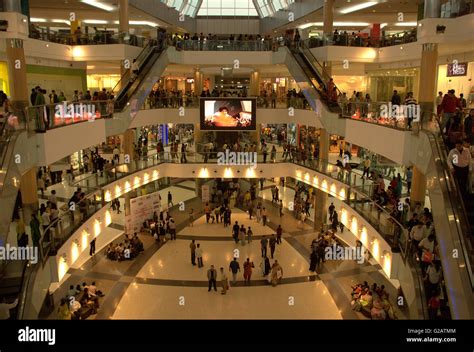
99	5
358	7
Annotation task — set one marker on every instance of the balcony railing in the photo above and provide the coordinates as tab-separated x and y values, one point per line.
346	39
225	45
99	38
50	116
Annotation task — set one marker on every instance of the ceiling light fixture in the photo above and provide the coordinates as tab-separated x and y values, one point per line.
33	19
95	21
62	21
406	24
358	7
336	24
99	5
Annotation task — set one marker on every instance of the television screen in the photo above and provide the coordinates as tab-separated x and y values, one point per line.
221	114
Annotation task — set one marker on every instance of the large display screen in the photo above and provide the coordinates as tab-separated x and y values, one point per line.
227	114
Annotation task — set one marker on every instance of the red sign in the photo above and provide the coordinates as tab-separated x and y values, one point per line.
457	69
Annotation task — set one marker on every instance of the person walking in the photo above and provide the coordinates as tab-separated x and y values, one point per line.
276	274
263	243
248	265
234	267
272	245
367	164
92	249
265	266
170	199
207	211
192	246
191	217
313	260
199	255
235	232
264	216
224	281
172	228
279	233
249	234
281	207
212	276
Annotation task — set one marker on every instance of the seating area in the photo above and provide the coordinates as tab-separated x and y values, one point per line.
127	250
80	302
372	301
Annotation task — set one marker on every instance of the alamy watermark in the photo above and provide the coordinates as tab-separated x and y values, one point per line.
78	110
400	112
237	158
336	252
8	252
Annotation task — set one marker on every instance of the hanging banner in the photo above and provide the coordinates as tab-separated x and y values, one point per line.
141	209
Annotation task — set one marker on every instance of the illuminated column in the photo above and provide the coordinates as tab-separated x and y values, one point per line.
124	27
12	6
29	191
320	197
432	9
197	136
198	82
328	19
428	75
254	84
17	74
128	144
418	187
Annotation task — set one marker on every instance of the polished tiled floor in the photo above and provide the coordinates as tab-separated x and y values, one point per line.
155	283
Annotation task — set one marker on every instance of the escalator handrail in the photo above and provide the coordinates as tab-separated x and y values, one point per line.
317	66
131	87
126	76
454	197
123	86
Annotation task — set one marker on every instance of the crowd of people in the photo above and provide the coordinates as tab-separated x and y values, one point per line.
129	249
80	302
372	301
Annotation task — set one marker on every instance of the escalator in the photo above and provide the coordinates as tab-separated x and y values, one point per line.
452	230
316	75
129	83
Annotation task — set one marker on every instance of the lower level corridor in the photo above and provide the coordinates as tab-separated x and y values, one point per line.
162	283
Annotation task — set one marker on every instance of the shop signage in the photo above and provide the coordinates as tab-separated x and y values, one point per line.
457	69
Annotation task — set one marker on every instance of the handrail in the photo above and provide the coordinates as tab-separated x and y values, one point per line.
49	116
319	68
451	191
133	83
97	38
346	39
66	223
126	76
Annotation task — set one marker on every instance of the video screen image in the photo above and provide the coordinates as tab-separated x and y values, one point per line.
228	114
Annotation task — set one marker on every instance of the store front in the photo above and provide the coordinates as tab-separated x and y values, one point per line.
458	77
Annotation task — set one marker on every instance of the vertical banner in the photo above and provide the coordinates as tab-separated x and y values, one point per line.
141	209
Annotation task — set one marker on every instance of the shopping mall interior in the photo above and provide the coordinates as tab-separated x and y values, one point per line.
236	159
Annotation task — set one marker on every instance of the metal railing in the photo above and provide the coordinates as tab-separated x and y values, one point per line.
225	45
381	113
354	40
50	116
64	226
454	201
98	38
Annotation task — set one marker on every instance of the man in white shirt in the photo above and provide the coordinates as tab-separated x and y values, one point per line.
116	153
459	161
5	309
52	198
416	235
